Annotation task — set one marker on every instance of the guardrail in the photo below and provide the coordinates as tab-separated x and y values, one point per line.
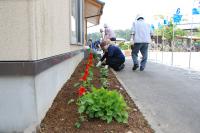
186	60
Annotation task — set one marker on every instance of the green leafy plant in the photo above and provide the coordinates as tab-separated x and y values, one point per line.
104	72
104	104
104	83
104	76
78	123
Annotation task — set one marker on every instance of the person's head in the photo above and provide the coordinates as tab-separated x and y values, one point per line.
104	45
101	30
139	17
105	26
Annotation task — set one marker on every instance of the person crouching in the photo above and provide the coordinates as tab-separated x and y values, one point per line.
113	55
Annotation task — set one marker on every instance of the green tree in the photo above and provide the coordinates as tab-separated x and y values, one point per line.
119	34
123	34
198	32
168	32
94	36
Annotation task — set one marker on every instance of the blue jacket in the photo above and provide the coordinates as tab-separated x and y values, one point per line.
113	53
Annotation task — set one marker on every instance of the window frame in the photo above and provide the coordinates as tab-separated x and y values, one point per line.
77	36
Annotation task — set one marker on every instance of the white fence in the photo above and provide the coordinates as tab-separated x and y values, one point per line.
184	60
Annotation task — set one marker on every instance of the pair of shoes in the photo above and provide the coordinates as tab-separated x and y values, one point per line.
121	67
141	68
135	67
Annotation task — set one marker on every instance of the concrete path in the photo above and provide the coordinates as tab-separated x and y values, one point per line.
168	97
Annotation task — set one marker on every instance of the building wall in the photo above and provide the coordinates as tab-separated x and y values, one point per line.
24	100
36	59
48	83
17	102
52	27
34	29
16	39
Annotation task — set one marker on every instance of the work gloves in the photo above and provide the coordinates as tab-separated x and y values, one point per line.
106	67
99	64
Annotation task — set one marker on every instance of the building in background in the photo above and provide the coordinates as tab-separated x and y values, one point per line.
41	44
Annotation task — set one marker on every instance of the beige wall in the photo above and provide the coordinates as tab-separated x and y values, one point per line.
34	29
15	40
52	27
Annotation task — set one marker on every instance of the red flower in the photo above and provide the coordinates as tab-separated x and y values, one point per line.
86	71
90	56
90	63
81	91
84	78
87	66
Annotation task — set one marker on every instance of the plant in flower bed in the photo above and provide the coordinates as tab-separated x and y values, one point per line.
85	84
100	103
88	74
104	104
104	76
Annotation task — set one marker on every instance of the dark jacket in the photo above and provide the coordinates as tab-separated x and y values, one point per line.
113	54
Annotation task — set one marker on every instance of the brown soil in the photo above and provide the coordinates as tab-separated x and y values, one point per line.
61	117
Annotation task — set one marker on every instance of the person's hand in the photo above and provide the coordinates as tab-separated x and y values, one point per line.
98	64
106	67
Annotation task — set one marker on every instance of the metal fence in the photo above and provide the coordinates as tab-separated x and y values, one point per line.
187	60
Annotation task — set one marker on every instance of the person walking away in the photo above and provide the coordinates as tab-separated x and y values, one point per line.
142	34
113	55
109	33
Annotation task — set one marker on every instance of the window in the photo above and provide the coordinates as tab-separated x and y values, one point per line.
77	32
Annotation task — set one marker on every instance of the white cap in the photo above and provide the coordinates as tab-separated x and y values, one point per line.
139	16
105	25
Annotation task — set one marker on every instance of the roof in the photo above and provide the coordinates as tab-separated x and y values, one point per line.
93	11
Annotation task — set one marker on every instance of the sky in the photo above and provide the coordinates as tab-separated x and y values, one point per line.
120	14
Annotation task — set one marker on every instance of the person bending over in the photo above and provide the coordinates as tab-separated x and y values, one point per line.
113	55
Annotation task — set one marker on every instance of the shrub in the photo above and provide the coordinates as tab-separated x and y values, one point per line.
124	46
104	104
121	44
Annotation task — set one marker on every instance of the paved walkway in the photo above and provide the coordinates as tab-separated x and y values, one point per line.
168	97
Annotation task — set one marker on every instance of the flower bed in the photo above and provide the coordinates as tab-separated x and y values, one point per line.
67	112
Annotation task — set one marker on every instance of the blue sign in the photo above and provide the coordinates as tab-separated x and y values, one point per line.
177	18
166	22
178	11
195	11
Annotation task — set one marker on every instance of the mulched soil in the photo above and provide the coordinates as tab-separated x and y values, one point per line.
61	117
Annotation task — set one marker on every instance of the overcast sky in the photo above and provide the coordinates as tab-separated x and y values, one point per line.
119	14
